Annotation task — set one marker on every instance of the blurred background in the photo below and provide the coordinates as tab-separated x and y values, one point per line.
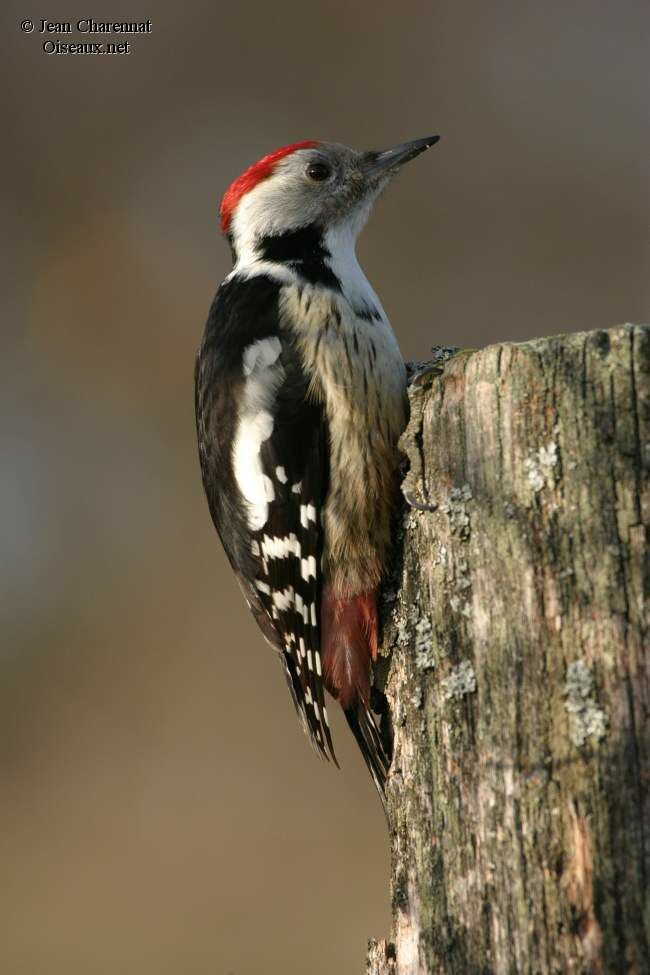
160	809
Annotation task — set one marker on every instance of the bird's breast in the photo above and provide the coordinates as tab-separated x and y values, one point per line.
358	373
351	353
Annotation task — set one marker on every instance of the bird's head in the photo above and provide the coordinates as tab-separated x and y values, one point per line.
319	185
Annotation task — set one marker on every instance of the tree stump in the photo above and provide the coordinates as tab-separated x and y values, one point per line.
513	664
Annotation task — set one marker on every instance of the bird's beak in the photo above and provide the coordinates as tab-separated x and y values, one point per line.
375	164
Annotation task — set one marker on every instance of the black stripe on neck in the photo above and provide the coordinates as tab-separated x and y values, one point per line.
302	250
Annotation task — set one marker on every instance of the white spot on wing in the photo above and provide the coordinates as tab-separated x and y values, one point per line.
281	475
285	599
307	514
260	355
280	548
308	568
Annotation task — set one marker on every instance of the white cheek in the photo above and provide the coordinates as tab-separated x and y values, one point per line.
279	203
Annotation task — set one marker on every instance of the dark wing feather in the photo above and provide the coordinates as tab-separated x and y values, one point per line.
279	564
290	543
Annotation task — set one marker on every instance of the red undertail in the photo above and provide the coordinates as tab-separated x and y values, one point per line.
349	643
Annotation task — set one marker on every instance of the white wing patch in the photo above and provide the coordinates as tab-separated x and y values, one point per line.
261	354
253	483
264	375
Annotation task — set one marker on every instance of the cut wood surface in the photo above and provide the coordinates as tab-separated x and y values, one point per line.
513	663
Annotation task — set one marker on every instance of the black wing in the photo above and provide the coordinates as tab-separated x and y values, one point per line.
249	366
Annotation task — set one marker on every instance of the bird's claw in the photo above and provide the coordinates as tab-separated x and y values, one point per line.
418	505
429	372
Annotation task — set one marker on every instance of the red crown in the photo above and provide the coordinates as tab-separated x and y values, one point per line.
252	176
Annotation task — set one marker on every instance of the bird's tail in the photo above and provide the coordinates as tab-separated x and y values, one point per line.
349	645
363	727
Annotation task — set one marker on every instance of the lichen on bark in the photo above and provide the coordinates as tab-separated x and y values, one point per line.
514	639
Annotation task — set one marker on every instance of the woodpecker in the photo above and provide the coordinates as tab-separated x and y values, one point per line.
300	400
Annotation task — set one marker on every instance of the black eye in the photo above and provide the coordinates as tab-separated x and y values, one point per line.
318	171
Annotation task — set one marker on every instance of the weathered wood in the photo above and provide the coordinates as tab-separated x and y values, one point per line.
514	664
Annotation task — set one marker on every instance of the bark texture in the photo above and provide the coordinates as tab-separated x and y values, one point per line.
513	664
